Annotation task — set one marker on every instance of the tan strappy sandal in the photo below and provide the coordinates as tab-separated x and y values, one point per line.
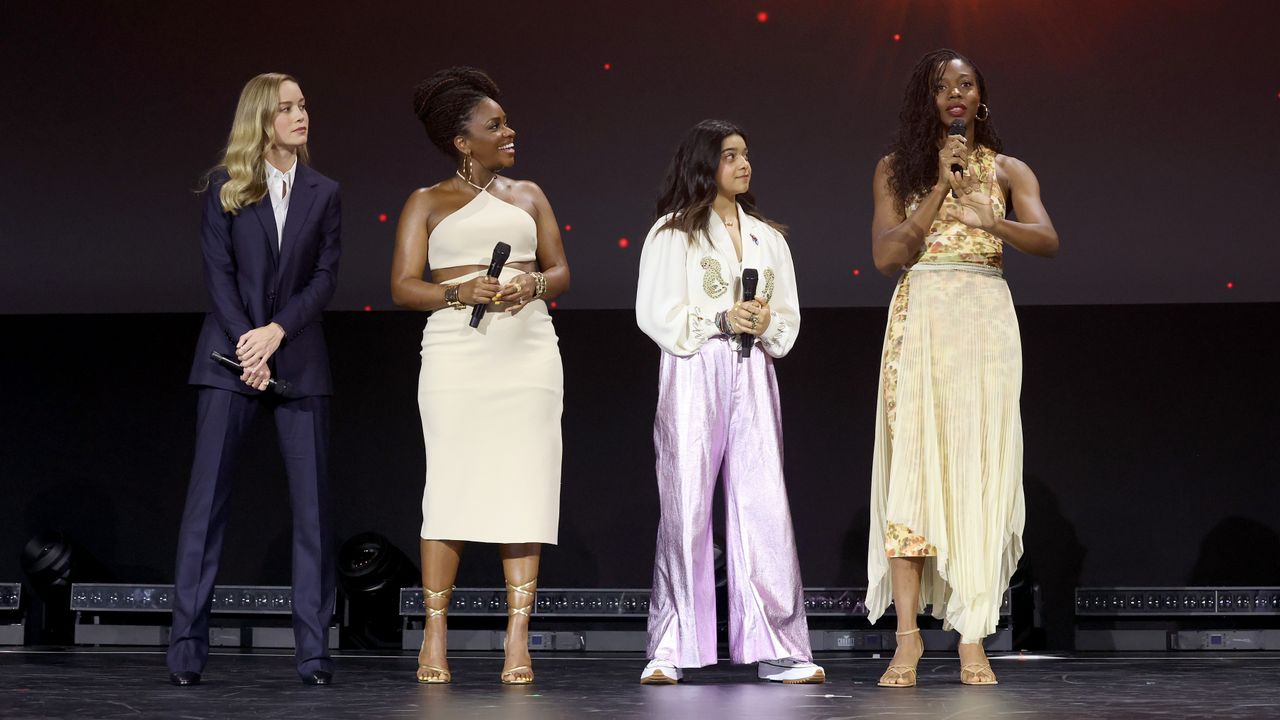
896	674
509	677
977	673
441	675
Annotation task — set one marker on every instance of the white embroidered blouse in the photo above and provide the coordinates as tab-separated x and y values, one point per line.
684	283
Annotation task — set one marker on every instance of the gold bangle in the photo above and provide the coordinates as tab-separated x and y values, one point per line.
451	297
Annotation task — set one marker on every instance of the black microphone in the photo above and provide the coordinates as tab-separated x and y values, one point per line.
501	252
957	128
278	387
750	278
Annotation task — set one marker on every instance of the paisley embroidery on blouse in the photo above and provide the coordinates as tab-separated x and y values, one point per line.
713	283
767	293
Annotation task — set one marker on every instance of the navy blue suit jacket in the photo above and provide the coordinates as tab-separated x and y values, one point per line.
253	281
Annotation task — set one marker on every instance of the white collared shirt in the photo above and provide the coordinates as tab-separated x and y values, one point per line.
280	194
684	282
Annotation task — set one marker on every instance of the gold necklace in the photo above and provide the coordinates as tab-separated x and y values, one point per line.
468	181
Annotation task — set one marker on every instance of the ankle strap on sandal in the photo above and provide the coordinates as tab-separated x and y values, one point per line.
428	594
526	588
912	631
523	588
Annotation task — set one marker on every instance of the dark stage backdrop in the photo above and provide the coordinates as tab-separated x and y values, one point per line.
1151	124
1150	446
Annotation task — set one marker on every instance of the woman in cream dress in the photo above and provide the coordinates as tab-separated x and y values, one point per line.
946	488
490	397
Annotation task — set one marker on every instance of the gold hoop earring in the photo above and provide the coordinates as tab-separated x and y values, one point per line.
467	164
986	112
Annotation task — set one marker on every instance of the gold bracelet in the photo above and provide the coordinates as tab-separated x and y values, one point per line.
451	297
539	284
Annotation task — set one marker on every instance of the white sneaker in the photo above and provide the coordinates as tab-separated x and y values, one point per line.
661	672
791	671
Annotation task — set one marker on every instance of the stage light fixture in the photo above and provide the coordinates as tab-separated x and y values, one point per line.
227	599
1162	619
1177	601
615	602
371	571
12	629
851	602
10	596
560	602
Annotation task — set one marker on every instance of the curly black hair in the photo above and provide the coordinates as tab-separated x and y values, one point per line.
913	163
689	188
444	101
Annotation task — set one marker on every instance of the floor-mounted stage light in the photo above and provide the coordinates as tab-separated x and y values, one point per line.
1177	618
138	614
371	571
11	630
52	562
613	619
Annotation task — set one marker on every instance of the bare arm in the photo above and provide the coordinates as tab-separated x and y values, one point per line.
1033	233
896	239
551	258
409	262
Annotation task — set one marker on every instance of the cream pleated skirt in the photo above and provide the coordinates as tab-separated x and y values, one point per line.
946	481
490	399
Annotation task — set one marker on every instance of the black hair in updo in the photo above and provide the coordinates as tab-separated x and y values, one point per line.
444	101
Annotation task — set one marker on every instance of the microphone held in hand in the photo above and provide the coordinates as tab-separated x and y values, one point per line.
501	252
750	278
957	128
278	387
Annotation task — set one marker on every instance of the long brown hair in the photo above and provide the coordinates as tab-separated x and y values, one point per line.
690	187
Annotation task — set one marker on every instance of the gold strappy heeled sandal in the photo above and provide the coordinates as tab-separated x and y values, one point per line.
895	676
440	675
977	673
515	676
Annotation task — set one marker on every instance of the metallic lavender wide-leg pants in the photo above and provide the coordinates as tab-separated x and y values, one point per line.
719	413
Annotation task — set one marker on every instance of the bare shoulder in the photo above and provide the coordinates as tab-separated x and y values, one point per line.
1011	165
427	198
432	204
526	190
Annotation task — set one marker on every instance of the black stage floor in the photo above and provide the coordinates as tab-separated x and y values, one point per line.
84	683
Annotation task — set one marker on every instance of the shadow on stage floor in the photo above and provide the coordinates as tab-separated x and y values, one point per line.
109	684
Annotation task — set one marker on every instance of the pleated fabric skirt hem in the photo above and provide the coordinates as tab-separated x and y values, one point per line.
948	445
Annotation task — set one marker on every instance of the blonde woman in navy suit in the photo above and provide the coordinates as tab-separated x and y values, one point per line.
270	240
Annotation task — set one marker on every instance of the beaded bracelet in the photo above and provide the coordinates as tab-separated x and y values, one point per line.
722	322
539	284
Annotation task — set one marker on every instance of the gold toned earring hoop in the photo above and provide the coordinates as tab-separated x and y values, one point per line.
467	165
986	112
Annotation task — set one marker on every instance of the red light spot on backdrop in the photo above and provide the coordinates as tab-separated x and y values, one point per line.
897	37
624	243
567	228
762	17
368	308
1230	285
856	272
382	217
608	66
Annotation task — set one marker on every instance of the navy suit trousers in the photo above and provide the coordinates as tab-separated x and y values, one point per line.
223	419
